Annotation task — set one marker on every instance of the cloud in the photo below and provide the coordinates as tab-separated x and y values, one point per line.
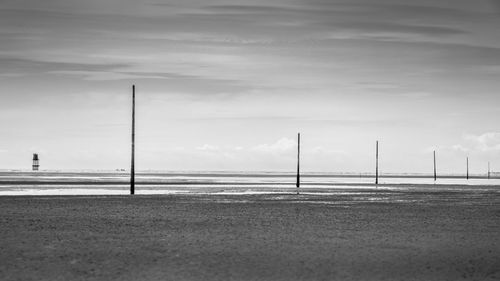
283	145
369	9
485	142
392	11
218	41
386	29
323	155
31	66
255	9
208	147
324	151
96	75
496	5
460	148
338	19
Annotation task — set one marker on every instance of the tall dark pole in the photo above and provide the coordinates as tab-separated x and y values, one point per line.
132	164
489	170
298	163
467	168
376	163
435	172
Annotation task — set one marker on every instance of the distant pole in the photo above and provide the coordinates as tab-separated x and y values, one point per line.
489	170
435	172
132	165
376	163
467	168
298	163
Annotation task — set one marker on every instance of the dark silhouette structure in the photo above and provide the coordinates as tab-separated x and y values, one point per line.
489	171
435	172
298	163
132	165
36	163
467	168
376	163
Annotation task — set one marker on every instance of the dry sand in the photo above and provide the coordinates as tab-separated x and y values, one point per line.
369	235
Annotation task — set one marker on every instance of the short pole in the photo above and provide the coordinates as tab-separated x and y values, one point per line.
467	168
435	172
376	162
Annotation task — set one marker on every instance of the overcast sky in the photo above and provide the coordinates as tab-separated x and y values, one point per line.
226	85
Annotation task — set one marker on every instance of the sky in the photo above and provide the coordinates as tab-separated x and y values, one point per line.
227	85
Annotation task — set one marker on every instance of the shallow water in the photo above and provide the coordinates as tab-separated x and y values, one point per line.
116	183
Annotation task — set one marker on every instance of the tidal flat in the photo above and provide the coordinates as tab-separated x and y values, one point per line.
424	234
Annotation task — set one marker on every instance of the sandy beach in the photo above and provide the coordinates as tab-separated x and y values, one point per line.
353	235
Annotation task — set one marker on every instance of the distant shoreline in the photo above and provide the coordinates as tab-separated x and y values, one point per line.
252	174
249	174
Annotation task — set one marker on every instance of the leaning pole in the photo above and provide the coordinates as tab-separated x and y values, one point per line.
298	163
132	164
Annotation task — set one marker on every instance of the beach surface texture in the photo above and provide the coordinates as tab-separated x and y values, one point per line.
358	234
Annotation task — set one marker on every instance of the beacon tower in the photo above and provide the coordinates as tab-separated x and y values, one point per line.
36	164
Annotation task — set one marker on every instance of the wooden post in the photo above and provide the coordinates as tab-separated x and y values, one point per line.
132	164
435	172
298	163
376	163
489	170
467	168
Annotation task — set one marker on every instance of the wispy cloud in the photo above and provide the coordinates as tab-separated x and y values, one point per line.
283	145
485	142
29	66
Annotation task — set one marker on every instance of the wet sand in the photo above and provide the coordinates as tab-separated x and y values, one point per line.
352	235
